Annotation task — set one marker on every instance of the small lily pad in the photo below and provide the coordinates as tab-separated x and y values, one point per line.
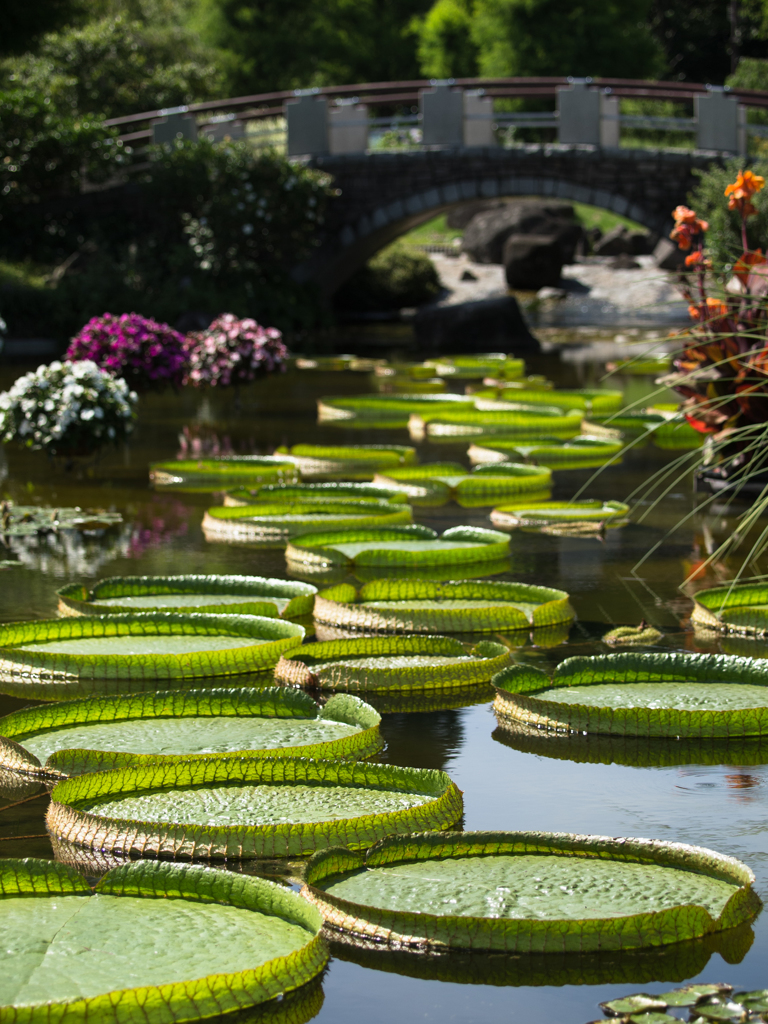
632	636
718	1009
640	1003
690	994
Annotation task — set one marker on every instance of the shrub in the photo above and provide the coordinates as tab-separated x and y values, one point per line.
397	276
148	354
233	351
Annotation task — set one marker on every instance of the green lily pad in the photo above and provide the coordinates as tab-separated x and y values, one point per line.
645	365
384	664
233	595
407	546
591	400
677	434
357	364
482	486
477	367
246	808
122	952
281	494
529	892
690	994
96	734
715	1008
664	695
639	1003
550	515
738	608
28	520
274	524
574	453
632	636
353	462
527	421
755	1001
381	408
124	653
216	474
653	1017
422	606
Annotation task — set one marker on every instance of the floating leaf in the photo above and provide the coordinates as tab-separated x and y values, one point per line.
96	734
477	367
407	546
690	994
384	664
575	453
421	606
557	513
665	695
28	520
244	808
375	409
737	608
640	1003
677	434
529	892
124	653
591	400
322	492
276	523
123	952
215	474
352	462
632	636
234	595
483	486
526	422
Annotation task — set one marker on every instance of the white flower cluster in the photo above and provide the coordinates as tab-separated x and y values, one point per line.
67	406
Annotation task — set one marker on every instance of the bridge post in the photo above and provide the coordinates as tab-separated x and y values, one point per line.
720	122
478	118
348	128
587	117
442	115
177	124
307	119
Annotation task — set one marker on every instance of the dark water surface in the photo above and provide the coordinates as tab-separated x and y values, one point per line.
721	805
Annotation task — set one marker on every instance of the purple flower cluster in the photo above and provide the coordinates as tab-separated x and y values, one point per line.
148	354
232	351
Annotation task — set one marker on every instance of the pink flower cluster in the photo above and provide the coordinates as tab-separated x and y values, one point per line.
232	351
148	354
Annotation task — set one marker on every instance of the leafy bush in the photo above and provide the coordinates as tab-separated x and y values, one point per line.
445	47
724	235
397	276
143	351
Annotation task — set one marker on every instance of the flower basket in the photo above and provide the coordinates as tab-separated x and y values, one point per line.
148	354
232	352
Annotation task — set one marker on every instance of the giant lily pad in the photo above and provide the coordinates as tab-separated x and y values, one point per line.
216	474
233	595
421	606
665	695
555	515
529	892
357	364
410	546
122	653
76	736
576	453
482	486
733	608
270	524
383	408
677	434
351	462
477	367
245	808
590	400
320	492
124	951
27	520
384	664
527	421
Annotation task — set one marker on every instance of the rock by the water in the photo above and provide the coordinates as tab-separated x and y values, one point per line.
486	325
488	231
620	241
532	261
667	256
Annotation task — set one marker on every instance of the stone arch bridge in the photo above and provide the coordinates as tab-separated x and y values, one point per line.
384	195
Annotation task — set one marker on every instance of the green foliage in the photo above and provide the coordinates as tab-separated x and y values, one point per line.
215	473
395	277
275	523
446	48
723	240
25	23
556	37
116	66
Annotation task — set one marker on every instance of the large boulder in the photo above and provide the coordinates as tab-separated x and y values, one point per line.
620	241
667	256
482	326
488	230
532	261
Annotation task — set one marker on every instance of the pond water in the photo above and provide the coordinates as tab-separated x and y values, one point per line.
722	805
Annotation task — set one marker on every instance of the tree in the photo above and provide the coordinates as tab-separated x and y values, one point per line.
446	48
562	37
25	22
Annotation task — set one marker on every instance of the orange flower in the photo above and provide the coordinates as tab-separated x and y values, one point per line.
741	191
683	215
743	266
713	309
687	227
696	259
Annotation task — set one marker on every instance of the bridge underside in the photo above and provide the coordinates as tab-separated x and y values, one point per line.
384	195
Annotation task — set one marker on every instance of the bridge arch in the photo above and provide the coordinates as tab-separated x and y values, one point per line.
383	195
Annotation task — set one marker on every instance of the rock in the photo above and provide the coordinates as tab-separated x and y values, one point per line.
544	294
532	261
482	326
591	237
625	262
487	232
667	256
461	215
640	242
616	242
468	276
